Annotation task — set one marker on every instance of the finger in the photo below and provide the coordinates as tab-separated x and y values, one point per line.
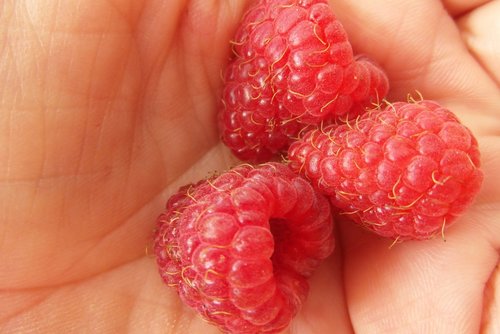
491	320
418	44
480	31
460	7
429	286
486	204
325	307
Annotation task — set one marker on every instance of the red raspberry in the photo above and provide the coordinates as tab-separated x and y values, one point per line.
404	172
238	247
293	65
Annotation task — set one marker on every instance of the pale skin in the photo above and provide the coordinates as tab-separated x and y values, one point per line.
108	106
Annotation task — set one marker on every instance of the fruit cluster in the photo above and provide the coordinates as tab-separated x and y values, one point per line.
313	120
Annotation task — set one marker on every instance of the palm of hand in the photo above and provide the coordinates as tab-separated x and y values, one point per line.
113	108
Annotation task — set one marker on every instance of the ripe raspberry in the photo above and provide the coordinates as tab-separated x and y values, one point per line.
238	247
404	172
293	65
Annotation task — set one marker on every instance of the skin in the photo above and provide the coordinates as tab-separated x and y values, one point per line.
108	106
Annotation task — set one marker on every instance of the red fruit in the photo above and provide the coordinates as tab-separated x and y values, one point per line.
292	66
404	172
238	247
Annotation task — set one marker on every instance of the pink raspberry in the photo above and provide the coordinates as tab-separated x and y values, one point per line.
292	66
238	247
404	172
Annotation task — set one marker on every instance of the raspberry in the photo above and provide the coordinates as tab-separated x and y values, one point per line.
239	247
293	65
404	172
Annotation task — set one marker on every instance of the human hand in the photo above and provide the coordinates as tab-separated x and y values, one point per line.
107	107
